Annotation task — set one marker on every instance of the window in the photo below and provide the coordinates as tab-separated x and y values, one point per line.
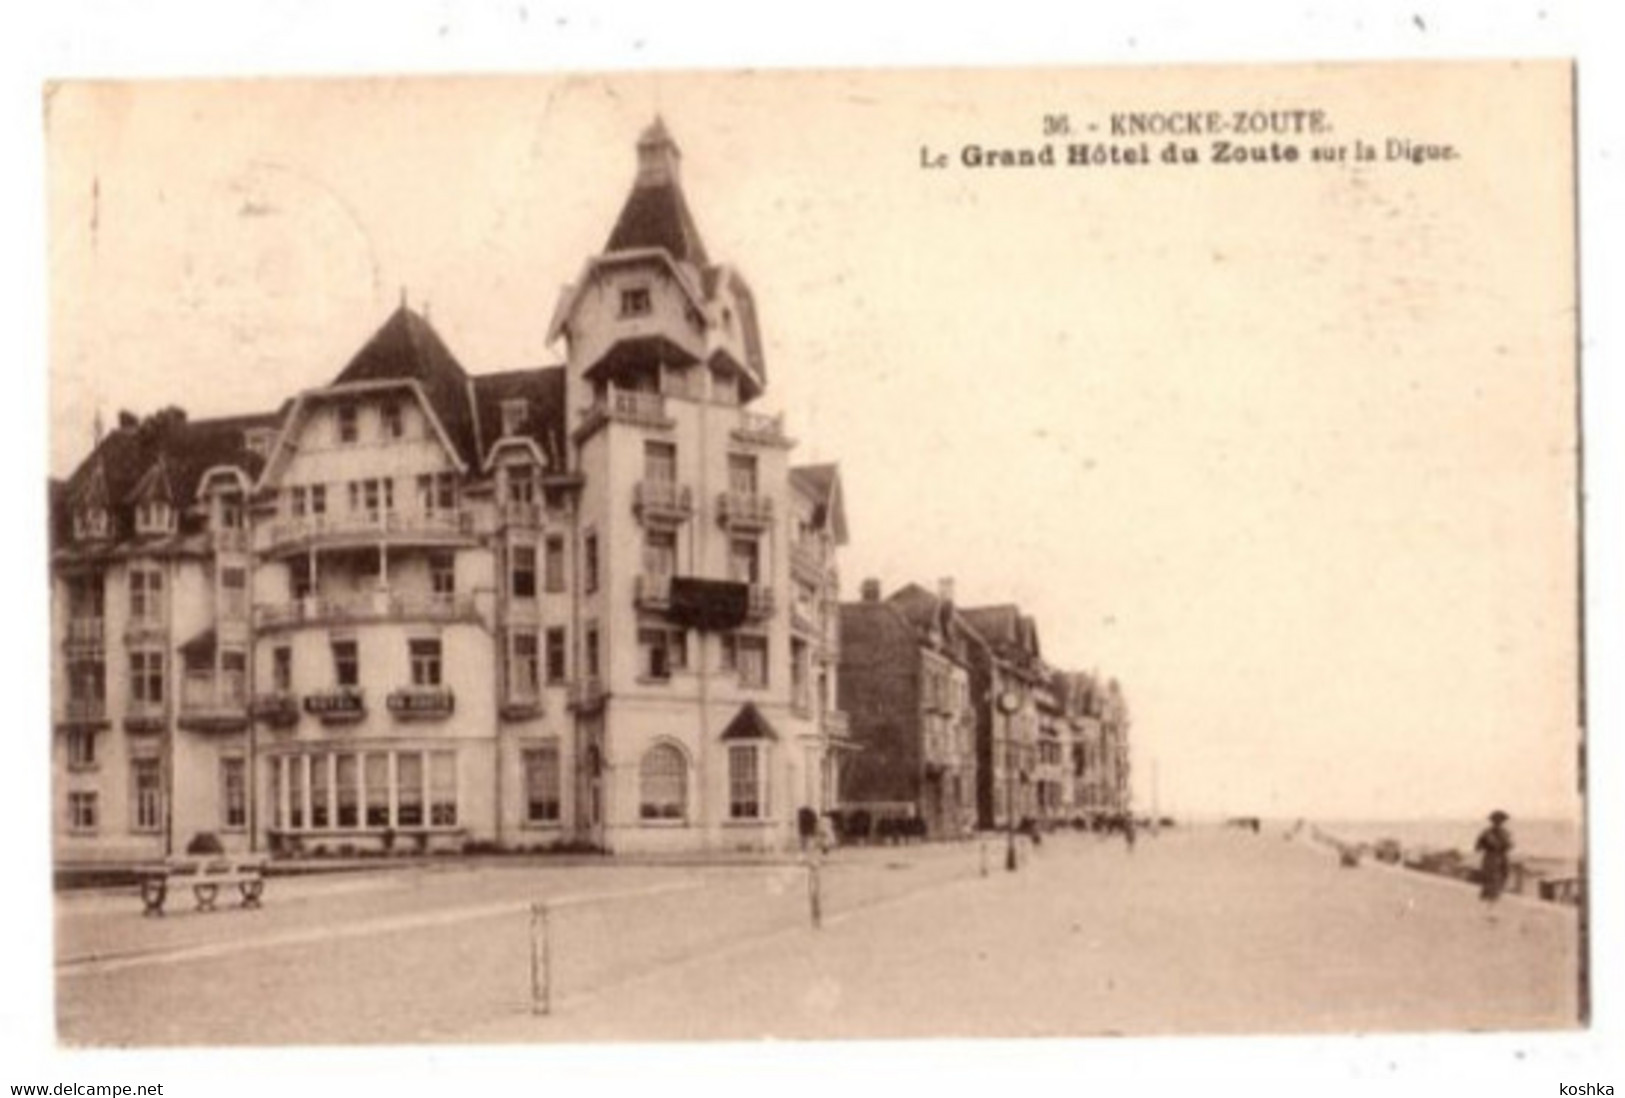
146	795
85	598
346	663
663	784
87	681
320	791
515	416
82	811
635	301
748	656
541	785
409	789
436	492
231	511
660	552
90	522
296	791
745	799
522	573
425	655
744	560
394	420
443	789
660	462
233	677
345	774
296	502
591	654
347	423
82	749
558	668
318	499
234	593
662	651
154	517
146	596
742	474
282	669
555	563
524	667
590	565
443	575
800	682
375	774
146	678
521	484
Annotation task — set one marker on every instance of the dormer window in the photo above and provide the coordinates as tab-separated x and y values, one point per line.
636	301
515	416
154	517
259	440
90	522
347	421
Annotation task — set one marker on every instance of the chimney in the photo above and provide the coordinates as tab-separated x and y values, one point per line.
871	590
945	590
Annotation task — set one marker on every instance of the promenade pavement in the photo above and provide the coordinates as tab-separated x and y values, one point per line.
1194	932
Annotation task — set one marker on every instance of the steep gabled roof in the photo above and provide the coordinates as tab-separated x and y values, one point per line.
407	348
656	215
542	388
1011	633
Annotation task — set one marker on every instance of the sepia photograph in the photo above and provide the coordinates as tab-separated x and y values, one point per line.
816	550
815	555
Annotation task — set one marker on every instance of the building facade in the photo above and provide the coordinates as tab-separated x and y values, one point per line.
592	602
905	687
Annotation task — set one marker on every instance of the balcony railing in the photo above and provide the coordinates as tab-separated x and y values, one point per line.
624	406
837	724
339	705
146	627
434	526
143	716
521	702
278	708
378	606
230	540
652	591
523	516
84	711
421	702
763	430
744	509
85	632
208	701
662	501
587	693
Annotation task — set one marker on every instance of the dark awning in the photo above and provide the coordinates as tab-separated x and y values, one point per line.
749	724
711	605
200	649
635	351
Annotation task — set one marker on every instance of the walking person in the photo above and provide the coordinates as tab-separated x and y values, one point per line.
1495	846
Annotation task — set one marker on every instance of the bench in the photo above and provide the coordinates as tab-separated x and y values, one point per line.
206	876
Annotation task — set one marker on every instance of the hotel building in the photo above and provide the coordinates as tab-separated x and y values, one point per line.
421	608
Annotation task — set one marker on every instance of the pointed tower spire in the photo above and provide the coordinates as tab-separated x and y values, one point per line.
656	214
660	161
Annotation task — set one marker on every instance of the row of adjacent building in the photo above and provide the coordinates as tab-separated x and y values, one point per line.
593	602
959	721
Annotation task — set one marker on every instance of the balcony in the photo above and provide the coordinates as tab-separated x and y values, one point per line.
837	725
744	510
340	705
621	406
144	716
587	694
521	703
85	634
522	516
438	527
84	711
211	703
380	606
662	501
421	703
761	430
229	540
277	708
652	592
146	628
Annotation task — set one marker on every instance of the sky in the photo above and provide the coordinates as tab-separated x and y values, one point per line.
1288	449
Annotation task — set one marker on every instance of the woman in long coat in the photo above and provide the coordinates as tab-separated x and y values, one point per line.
1495	845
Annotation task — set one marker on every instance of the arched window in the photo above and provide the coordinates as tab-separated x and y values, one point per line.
663	784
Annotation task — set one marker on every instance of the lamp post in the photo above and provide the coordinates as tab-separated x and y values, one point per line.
1009	703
